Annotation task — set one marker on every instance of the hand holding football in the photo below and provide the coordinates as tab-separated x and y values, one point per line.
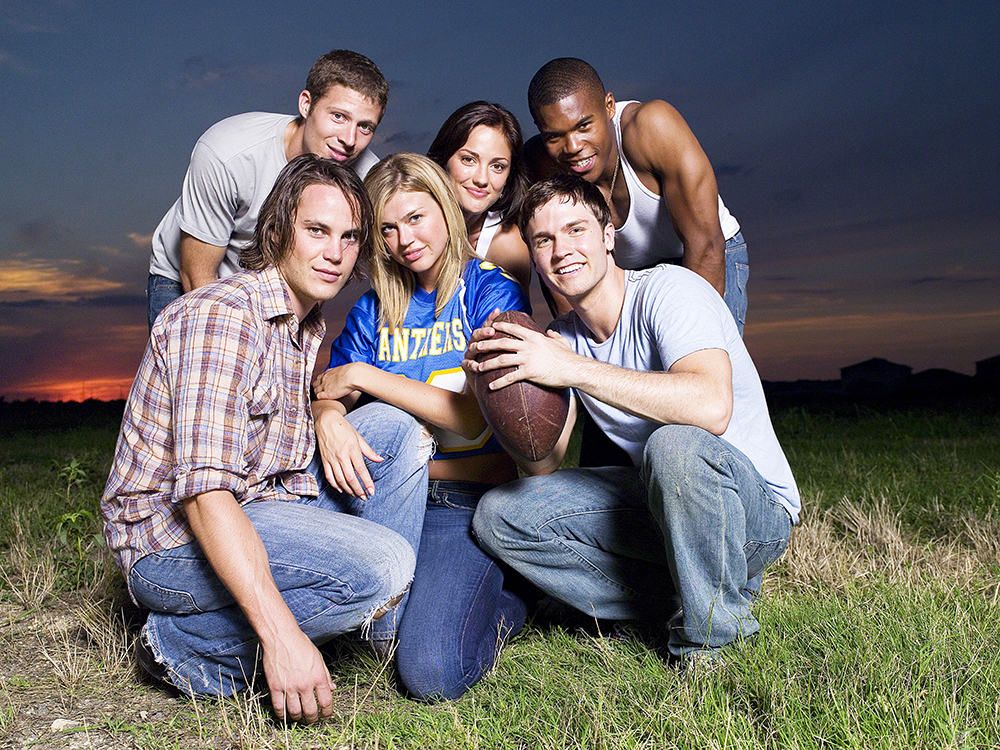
526	418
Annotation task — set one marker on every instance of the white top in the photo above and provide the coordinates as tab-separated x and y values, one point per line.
647	236
233	168
668	313
490	228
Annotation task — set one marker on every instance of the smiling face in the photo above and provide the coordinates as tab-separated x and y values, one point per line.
415	230
479	169
569	247
340	124
578	134
324	248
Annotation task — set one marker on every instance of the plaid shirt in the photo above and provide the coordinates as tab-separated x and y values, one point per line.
221	401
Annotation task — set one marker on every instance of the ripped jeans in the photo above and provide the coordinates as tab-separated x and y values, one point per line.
334	571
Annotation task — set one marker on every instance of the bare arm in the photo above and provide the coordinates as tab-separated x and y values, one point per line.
199	262
296	675
456	412
696	390
508	251
659	142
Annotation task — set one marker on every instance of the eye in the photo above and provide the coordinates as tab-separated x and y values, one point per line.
316	231
367	128
338	116
576	230
387	229
468	160
541	241
415	218
499	167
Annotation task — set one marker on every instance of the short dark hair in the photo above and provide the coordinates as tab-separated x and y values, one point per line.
560	78
455	132
351	70
274	235
568	186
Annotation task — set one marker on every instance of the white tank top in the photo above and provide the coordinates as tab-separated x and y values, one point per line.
490	227
647	236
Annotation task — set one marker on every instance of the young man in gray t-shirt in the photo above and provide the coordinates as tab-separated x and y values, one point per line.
657	361
235	163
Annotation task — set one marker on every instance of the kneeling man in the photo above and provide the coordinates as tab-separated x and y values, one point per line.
657	361
210	509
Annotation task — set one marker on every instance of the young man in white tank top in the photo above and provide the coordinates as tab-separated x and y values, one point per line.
661	188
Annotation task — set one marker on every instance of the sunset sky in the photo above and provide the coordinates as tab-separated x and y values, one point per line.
857	143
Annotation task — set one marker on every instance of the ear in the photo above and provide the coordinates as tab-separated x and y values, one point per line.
609	105
609	238
305	102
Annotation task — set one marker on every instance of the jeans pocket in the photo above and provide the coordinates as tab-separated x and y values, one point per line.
160	598
761	555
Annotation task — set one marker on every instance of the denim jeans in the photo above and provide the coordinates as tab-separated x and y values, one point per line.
333	571
400	485
693	526
160	292
459	612
737	273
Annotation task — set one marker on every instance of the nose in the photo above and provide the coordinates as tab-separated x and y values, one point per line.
349	137
404	235
573	142
480	177
334	251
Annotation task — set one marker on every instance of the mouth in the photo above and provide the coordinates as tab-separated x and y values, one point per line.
476	192
328	275
581	166
412	255
337	155
568	269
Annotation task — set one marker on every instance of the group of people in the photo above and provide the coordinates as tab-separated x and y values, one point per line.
257	512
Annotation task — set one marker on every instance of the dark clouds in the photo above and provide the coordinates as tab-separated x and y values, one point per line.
856	143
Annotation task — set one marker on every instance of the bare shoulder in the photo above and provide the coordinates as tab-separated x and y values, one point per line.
508	251
655	137
538	164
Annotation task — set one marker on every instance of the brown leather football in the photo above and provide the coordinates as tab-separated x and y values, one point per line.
526	418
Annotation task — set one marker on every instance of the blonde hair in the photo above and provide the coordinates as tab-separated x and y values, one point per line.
394	284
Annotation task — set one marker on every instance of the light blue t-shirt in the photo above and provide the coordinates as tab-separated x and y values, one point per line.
668	313
233	168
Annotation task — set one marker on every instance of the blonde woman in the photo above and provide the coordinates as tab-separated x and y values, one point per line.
402	345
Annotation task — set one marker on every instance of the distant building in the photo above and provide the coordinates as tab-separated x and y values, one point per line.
988	373
938	383
873	378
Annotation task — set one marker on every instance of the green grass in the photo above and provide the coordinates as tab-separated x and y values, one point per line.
880	626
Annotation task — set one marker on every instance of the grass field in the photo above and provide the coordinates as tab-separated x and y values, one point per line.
880	625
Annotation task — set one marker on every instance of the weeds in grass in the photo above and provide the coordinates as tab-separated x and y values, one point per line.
880	625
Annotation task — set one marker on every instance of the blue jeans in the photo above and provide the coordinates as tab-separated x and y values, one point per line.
737	273
160	292
694	526
334	571
459	612
400	486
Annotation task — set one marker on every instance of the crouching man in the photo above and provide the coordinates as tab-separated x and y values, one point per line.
658	362
209	509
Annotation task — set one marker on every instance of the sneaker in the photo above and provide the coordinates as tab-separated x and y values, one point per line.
147	661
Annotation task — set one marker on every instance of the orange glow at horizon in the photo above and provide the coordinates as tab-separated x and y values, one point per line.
106	389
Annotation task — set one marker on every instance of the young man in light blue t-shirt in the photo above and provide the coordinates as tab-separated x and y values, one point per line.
656	359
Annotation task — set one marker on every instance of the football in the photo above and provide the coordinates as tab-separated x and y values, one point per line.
526	418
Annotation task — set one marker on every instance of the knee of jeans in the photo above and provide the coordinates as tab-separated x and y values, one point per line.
393	570
399	431
488	522
428	675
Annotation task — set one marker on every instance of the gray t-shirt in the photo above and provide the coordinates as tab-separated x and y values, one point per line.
233	168
668	313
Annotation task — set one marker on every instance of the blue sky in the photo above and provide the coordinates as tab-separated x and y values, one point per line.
857	144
